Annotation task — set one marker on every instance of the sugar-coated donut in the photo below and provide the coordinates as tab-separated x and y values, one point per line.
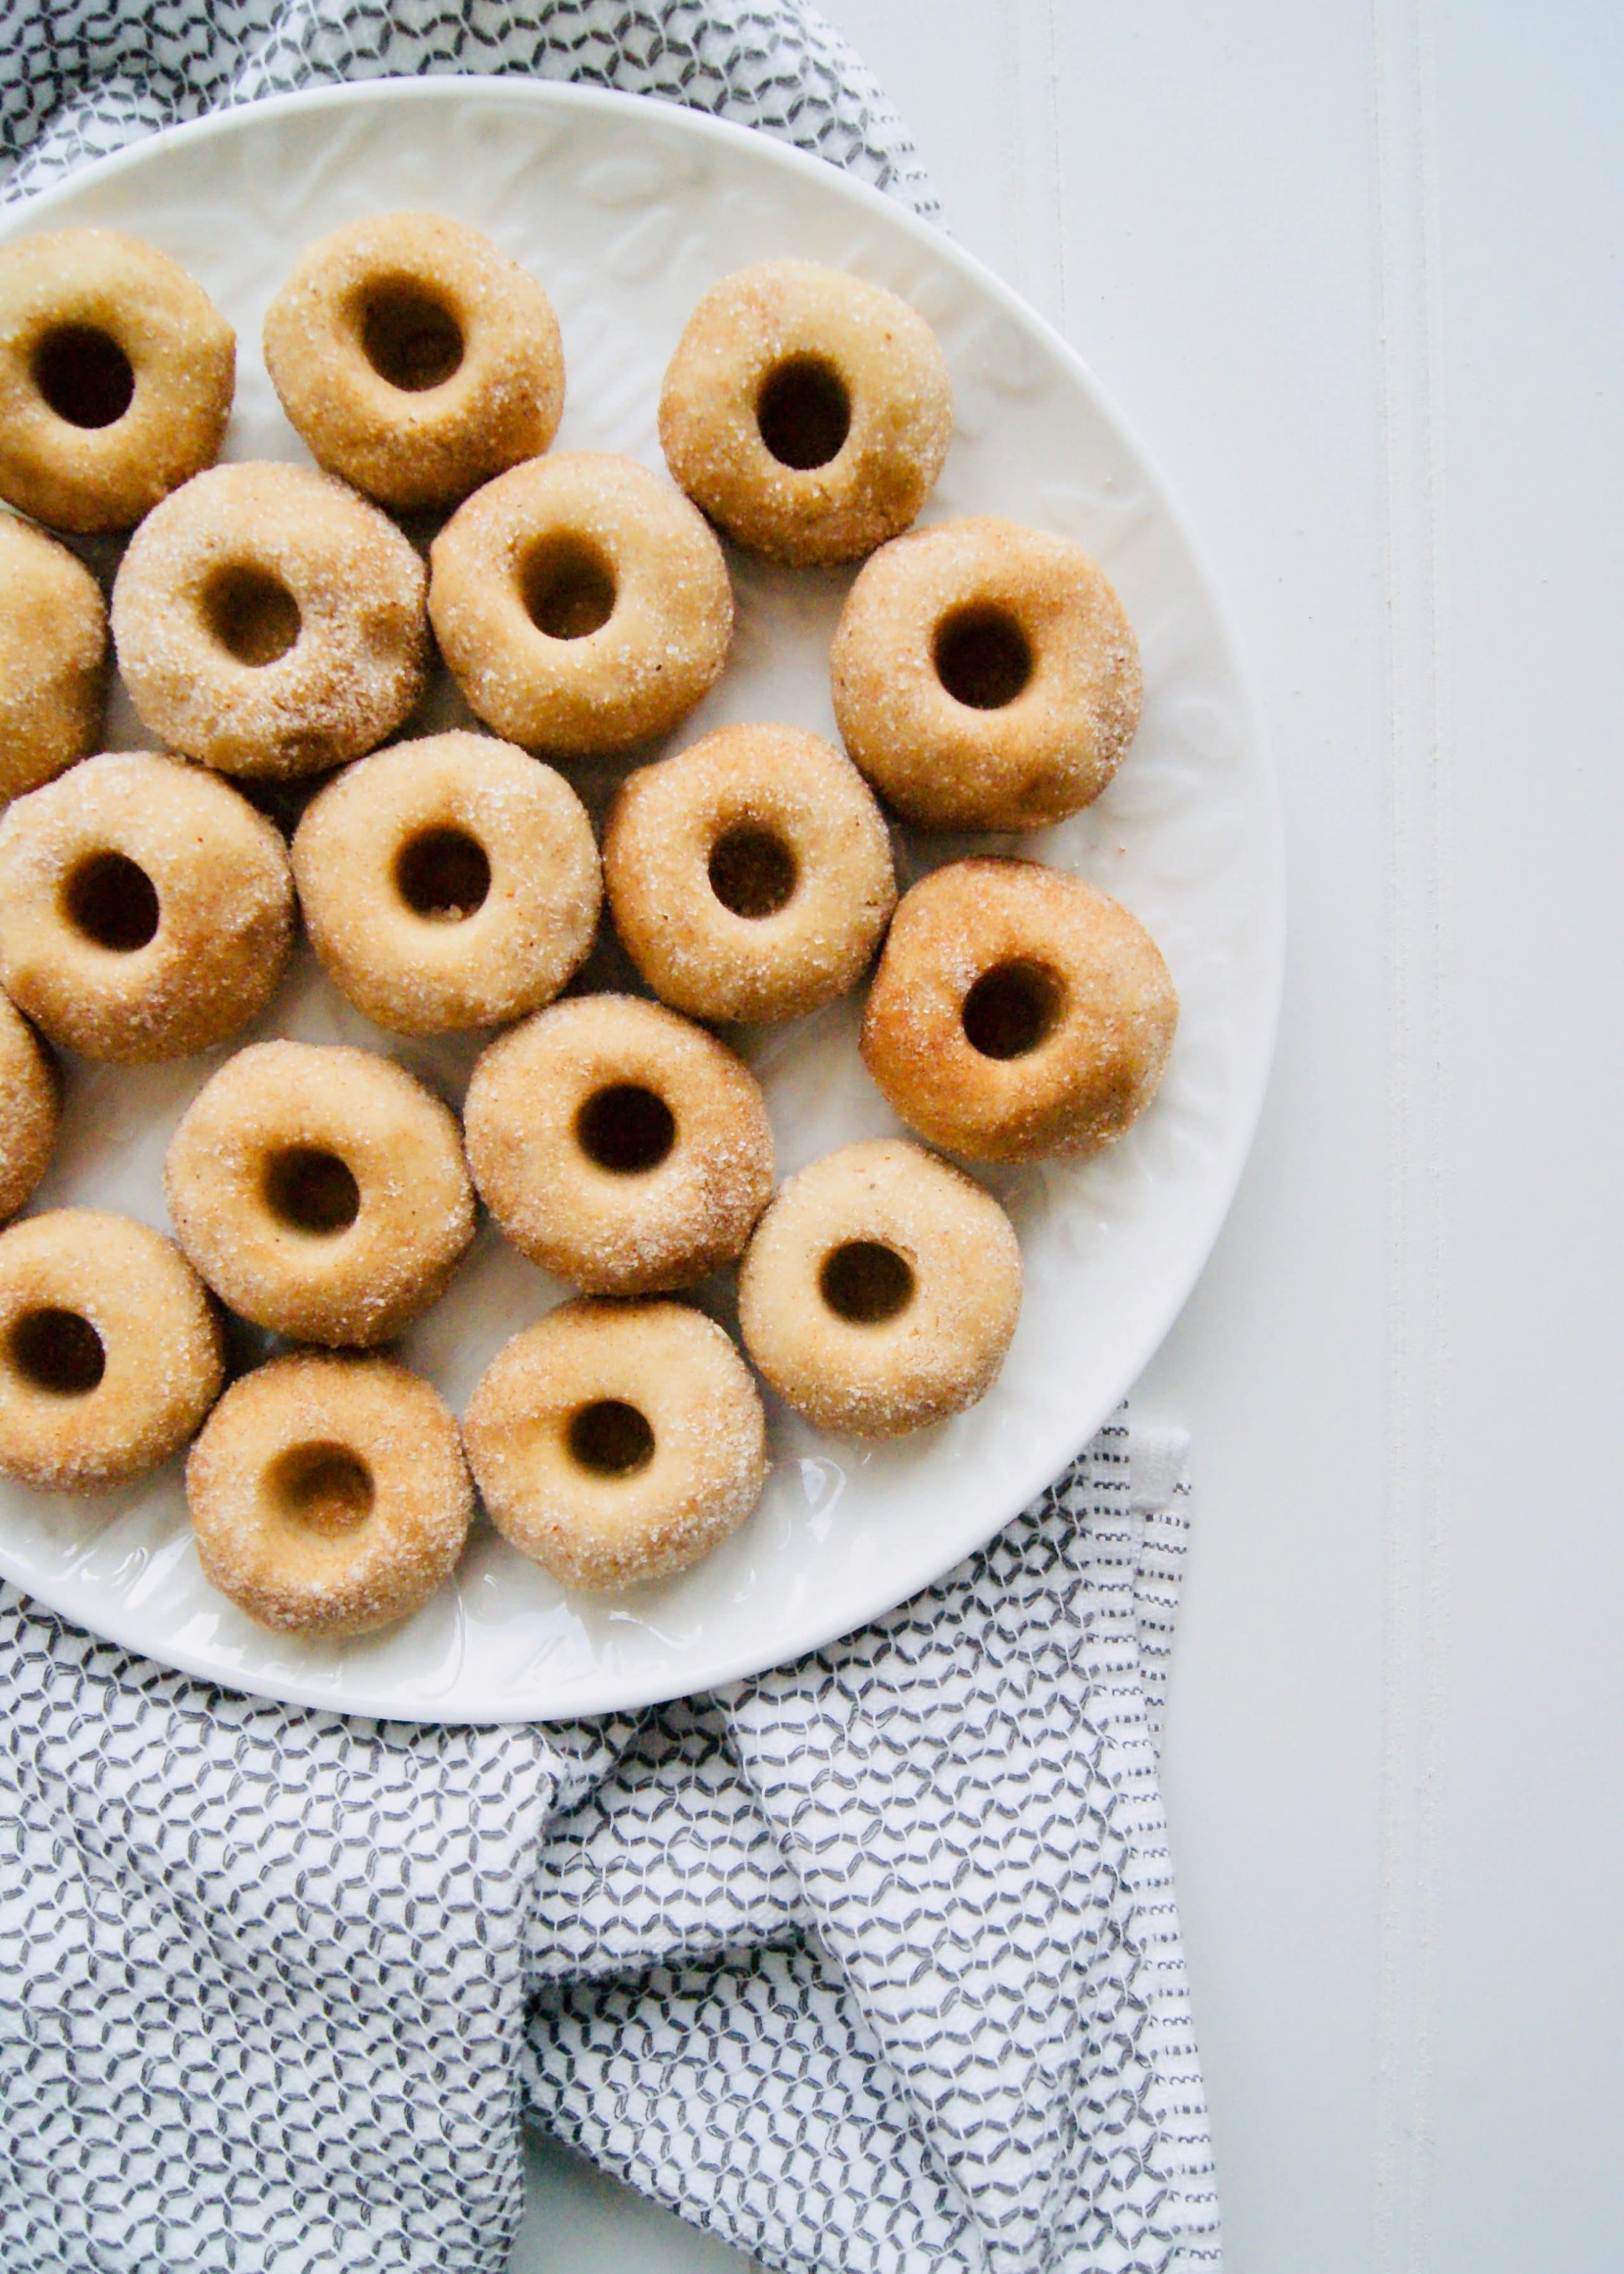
613	1442
146	908
321	1190
750	876
329	1495
619	1146
1017	1013
807	411
582	604
110	1351
30	1108
53	657
881	1291
452	882
270	621
985	676
414	359
117	371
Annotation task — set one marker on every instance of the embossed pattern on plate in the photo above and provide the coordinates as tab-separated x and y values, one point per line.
628	210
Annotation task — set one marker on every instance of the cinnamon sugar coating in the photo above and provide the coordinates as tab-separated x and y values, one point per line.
146	908
110	1351
415	359
808	412
321	1190
451	882
985	676
116	372
618	1144
53	657
617	1443
582	604
881	1291
1017	1013
329	1495
30	1108
270	621
749	876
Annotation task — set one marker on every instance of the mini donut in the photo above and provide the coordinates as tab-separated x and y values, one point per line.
53	657
1017	1013
414	358
452	882
750	876
805	411
985	677
146	908
881	1291
117	371
617	1443
270	621
30	1108
582	605
321	1190
619	1146
110	1351
329	1495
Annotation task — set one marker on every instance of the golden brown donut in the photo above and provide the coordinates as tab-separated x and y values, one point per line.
582	605
329	1495
613	1442
1017	1013
881	1291
807	411
414	358
452	882
270	621
619	1146
146	908
321	1190
984	676
749	876
30	1108
117	371
53	655
110	1352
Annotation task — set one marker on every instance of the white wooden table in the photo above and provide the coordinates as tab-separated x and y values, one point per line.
1353	269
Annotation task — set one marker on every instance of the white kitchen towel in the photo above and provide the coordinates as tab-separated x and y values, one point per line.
871	1963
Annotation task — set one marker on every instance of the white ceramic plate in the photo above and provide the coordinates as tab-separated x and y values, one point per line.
628	210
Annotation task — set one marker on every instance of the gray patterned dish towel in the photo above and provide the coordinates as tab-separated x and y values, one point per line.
870	1965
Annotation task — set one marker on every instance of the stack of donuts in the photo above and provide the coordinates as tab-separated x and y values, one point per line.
274	626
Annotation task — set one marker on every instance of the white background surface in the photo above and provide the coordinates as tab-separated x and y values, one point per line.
1353	269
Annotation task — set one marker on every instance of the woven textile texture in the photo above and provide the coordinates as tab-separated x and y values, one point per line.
870	1963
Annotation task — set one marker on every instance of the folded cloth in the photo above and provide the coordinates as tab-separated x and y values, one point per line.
871	1963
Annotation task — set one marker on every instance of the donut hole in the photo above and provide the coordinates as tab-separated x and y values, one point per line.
752	871
1011	1009
251	614
610	1438
569	587
804	412
443	875
866	1282
86	378
626	1129
57	1351
112	902
983	657
322	1487
310	1191
410	338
